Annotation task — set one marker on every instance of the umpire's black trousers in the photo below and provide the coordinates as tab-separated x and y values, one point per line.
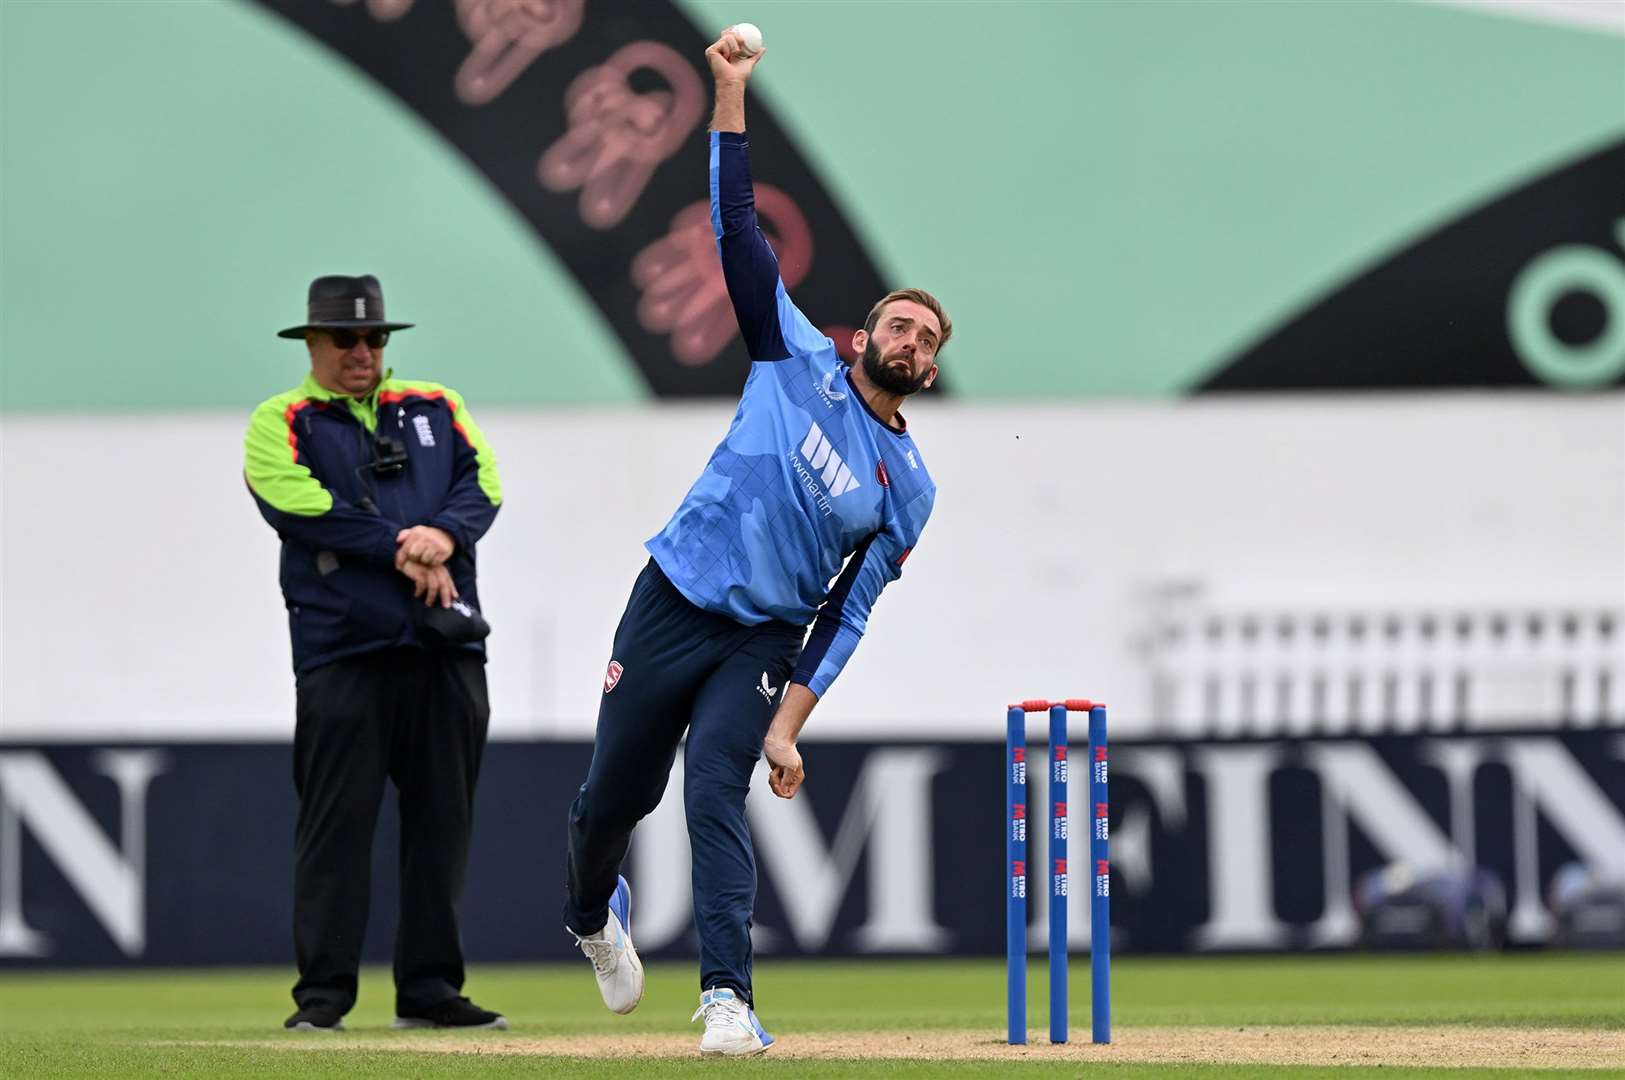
419	718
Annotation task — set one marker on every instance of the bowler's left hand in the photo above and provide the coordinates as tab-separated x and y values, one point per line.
785	773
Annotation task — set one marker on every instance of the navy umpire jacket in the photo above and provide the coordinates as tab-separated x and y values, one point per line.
328	473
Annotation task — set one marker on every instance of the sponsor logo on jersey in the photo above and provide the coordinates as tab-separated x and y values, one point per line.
820	454
821	471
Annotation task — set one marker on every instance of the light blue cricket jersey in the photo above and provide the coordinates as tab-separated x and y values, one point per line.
808	478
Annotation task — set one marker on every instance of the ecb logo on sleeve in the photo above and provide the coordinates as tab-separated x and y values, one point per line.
612	675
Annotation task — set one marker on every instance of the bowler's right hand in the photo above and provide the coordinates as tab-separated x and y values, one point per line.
729	65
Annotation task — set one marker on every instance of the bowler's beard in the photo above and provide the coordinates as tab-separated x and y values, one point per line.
888	378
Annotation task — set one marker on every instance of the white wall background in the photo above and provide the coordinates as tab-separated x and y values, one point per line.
140	598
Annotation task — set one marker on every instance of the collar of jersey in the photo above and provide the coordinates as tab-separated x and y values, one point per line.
900	432
363	409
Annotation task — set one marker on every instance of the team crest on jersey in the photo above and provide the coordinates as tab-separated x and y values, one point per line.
881	475
613	675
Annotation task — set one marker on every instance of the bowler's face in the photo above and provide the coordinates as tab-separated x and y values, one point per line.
900	356
354	370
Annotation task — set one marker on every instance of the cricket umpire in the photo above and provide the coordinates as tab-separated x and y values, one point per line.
379	489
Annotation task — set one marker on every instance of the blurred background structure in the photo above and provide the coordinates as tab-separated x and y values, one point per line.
1284	412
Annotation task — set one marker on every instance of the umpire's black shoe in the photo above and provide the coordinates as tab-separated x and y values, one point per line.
457	1012
316	1016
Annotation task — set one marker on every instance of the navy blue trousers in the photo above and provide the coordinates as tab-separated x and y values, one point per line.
678	668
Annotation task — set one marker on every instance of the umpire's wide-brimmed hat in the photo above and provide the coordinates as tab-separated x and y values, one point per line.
344	303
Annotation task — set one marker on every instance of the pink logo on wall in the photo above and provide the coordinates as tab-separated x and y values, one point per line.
382	10
684	294
618	137
507	35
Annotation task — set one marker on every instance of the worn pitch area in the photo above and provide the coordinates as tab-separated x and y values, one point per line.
1446	1046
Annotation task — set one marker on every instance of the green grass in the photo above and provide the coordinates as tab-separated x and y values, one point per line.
172	1023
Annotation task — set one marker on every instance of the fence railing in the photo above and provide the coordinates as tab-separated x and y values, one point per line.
1274	672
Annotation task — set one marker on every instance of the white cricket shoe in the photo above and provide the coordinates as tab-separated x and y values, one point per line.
614	961
731	1027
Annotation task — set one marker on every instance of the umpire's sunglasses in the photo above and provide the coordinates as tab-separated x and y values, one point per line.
346	339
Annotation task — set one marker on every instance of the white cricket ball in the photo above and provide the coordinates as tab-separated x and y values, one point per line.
750	36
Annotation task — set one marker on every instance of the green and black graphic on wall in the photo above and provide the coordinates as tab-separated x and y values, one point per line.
590	119
1153	200
1527	290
